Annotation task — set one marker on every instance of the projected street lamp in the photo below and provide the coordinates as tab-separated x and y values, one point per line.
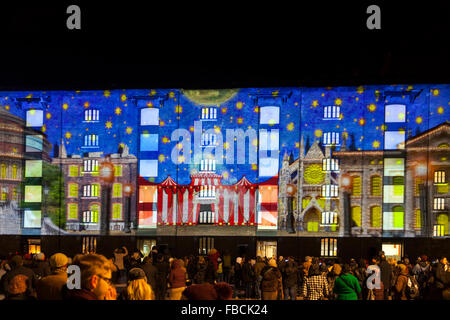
291	191
106	174
127	190
346	184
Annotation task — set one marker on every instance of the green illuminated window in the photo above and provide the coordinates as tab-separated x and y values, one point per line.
418	219
356	215
73	190
118	171
73	171
117	211
14	171
442	188
375	186
442	220
375	215
356	185
398	216
73	211
117	190
95	209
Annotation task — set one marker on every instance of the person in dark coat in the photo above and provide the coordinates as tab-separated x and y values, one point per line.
41	267
191	268
210	272
161	280
17	288
17	267
290	280
385	275
150	272
248	278
271	281
200	273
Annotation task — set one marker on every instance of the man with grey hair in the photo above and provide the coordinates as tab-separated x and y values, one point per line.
49	287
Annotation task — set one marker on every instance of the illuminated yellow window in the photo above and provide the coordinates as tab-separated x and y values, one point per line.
356	215
398	216
95	190
356	185
73	171
313	226
375	184
4	194
321	202
442	220
398	186
418	219
14	171
375	217
118	171
442	188
419	181
95	209
73	190
3	171
73	211
15	193
117	211
117	190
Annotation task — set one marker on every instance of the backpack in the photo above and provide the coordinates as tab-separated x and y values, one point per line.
412	287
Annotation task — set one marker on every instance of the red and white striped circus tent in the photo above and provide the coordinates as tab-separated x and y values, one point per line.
181	204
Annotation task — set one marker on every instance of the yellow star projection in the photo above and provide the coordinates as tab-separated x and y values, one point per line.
129	130
118	111
107	93
123	98
108	124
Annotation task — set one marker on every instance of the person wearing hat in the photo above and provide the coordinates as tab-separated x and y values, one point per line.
137	288
401	282
49	287
17	268
271	281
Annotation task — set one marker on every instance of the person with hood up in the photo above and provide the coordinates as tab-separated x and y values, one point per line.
177	280
271	281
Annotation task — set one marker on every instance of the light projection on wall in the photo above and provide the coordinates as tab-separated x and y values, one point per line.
221	159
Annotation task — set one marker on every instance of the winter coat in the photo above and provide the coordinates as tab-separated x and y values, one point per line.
213	257
177	277
49	287
41	269
200	274
271	279
151	272
346	286
386	274
248	273
78	294
163	272
259	265
227	261
290	276
210	273
31	281
400	285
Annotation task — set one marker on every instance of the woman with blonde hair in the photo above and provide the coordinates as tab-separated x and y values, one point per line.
137	288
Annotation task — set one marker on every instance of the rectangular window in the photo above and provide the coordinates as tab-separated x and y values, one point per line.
118	171
32	218
33	143
331	138
91	115
207	192
91	190
418	219
376	186
394	140
329	218
393	193
89	245
269	115
4	195
148	168
73	171
208	165
356	190
439	204
394	167
150	117
395	113
209	113
33	168
14	171
206	217
330	165
268	167
35	118
438	230
33	193
73	211
117	211
91	140
205	244
439	177
91	216
90	165
330	191
117	190
328	247
149	142
332	112
419	181
393	220
73	190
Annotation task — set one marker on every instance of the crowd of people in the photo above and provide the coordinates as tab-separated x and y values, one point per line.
216	276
